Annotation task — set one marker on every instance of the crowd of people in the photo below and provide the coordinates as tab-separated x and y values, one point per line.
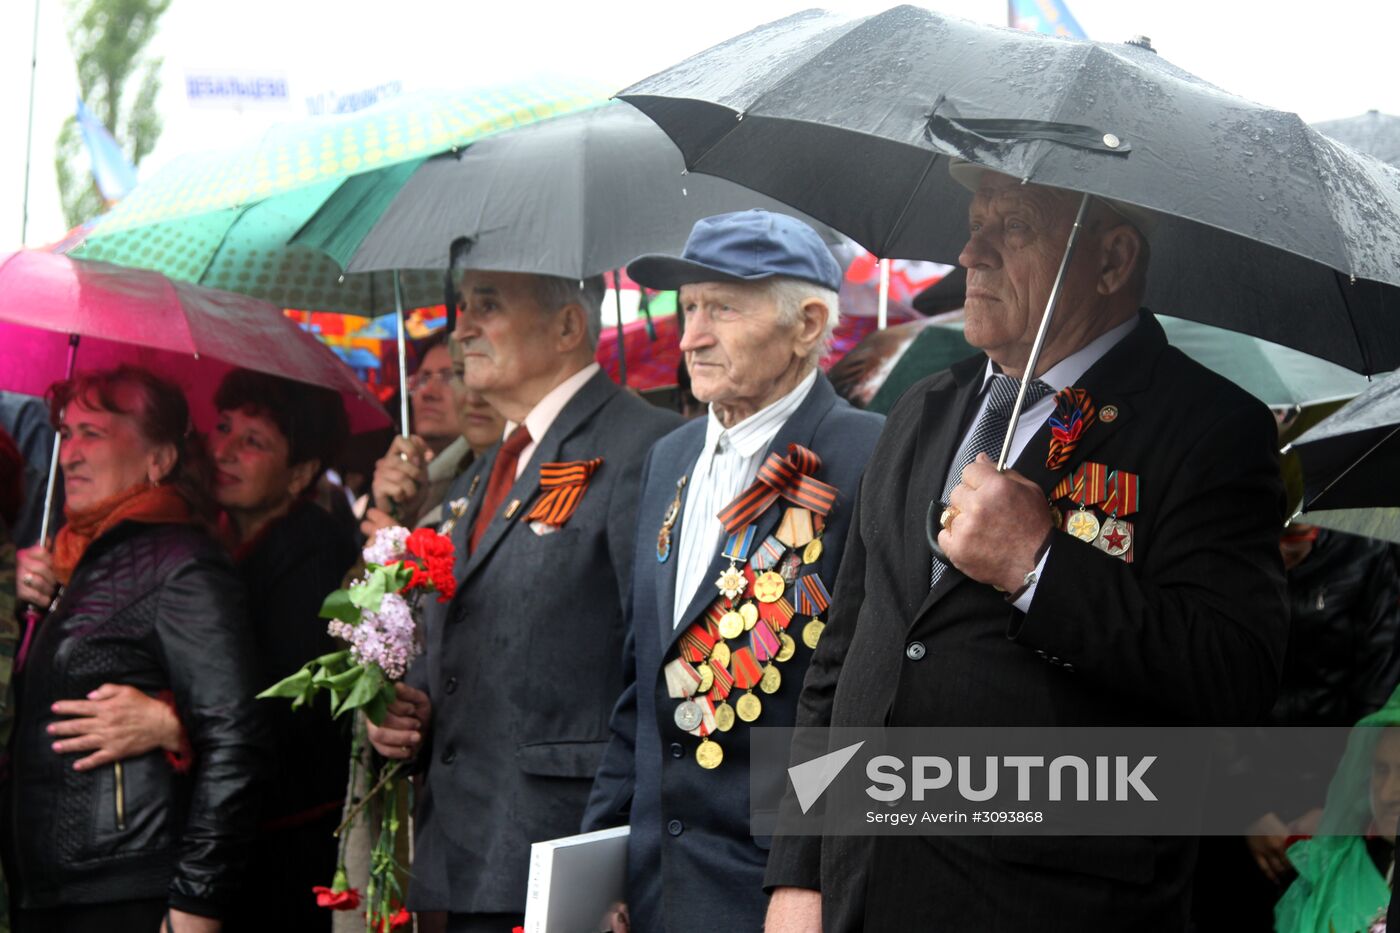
766	563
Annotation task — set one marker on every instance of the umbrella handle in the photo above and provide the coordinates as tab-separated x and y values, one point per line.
931	529
32	618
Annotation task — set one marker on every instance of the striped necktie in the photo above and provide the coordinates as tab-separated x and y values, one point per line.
988	435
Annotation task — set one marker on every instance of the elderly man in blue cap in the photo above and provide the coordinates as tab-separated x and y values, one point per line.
741	523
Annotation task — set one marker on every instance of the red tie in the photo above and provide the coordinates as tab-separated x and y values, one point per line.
502	478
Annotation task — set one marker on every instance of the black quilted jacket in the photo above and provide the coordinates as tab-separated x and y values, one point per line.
157	607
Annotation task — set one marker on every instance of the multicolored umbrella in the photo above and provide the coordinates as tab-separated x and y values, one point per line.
224	219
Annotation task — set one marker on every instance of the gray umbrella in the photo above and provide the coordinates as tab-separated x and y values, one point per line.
573	196
1374	133
1352	459
1266	226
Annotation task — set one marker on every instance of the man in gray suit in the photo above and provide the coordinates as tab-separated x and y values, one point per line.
507	716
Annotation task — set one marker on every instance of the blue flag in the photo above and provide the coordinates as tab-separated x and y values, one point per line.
1051	17
111	169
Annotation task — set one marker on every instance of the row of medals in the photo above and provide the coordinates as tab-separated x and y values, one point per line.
769	587
1111	534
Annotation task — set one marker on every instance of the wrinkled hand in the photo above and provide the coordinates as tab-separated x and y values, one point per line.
1266	840
401	477
375	520
401	734
794	910
35	582
114	723
1002	519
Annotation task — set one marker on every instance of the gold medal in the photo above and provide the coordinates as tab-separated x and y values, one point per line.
1083	525
750	613
769	587
812	552
719	654
731	625
772	679
707	678
709	755
748	707
788	647
724	717
812	633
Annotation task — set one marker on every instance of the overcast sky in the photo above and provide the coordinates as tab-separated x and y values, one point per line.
1336	62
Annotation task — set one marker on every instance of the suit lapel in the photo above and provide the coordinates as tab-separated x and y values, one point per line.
798	429
594	394
1114	380
935	446
666	572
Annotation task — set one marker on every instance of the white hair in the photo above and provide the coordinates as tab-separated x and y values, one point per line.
553	293
791	294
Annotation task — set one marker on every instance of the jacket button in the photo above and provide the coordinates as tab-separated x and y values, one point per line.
676	750
915	651
449	756
451	685
675	828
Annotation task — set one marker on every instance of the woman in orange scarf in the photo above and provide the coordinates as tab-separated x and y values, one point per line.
137	593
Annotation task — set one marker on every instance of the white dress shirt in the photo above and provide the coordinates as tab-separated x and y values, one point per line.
726	466
538	421
1058	377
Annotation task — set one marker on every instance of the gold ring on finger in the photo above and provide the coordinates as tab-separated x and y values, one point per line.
946	519
403	456
29	579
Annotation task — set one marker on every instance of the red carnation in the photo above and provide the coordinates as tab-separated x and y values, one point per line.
349	899
426	543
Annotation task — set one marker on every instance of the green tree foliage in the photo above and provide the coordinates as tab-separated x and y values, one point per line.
109	38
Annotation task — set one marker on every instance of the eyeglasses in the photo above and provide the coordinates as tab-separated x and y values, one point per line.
447	378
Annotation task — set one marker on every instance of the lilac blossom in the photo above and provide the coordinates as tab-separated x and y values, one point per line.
385	638
387	545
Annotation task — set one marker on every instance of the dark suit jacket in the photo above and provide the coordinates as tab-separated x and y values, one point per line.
524	665
708	875
1191	632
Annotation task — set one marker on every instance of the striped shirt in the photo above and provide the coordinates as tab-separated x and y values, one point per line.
726	467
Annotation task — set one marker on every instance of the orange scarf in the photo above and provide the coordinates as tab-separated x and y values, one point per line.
140	503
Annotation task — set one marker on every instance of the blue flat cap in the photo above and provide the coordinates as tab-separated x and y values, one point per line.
745	246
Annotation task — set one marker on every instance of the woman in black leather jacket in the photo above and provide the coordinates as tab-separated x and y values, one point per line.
139	594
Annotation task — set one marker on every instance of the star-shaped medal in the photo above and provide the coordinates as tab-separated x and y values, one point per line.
1115	539
731	583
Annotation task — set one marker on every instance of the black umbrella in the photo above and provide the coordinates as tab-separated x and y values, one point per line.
1352	459
1374	133
573	196
1266	226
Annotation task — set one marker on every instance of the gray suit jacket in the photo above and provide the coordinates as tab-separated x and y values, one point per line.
524	665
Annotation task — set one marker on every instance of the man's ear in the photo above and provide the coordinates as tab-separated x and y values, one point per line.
572	322
811	321
1121	252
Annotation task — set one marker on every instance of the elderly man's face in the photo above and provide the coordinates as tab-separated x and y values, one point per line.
1016	238
506	338
737	349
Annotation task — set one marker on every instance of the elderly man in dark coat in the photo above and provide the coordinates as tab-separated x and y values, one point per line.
1151	593
743	519
509	713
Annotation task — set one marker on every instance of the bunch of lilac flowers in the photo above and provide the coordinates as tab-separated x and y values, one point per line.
384	638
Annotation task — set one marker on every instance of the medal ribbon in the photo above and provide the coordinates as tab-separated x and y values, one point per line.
737	547
777	613
698	641
765	643
1122	494
564	485
787	477
1087	486
812	595
747	673
724	682
768	554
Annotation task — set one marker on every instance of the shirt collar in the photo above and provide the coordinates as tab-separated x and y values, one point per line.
1067	371
542	416
757	431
